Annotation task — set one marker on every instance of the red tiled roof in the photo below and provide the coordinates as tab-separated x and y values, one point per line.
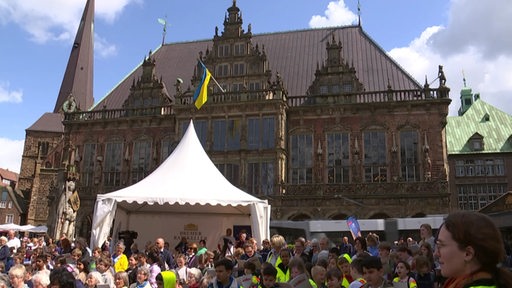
9	175
294	54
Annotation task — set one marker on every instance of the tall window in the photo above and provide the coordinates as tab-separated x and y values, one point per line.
238	69
254	86
141	160
226	135
375	166
3	202
9	218
260	178
409	163
301	168
88	162
231	172
167	148
43	147
338	165
222	70
236	87
261	132
223	50
479	167
113	164
477	196
240	49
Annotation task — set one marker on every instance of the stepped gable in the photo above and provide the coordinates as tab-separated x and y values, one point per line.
294	55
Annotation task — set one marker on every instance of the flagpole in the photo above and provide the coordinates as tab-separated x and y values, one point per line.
211	76
214	80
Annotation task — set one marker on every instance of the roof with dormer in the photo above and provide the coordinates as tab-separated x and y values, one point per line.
295	55
7	175
481	118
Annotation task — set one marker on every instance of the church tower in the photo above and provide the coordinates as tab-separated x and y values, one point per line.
78	78
49	158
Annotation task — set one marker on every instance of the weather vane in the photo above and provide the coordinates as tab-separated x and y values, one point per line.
164	23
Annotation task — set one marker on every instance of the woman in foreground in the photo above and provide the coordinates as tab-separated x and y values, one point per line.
470	251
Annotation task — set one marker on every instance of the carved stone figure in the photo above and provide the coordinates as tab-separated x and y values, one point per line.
441	76
428	165
69	203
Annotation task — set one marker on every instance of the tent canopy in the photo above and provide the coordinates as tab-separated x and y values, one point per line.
186	196
23	228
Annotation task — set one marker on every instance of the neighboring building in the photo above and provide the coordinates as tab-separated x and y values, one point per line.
500	211
479	144
321	122
12	203
8	178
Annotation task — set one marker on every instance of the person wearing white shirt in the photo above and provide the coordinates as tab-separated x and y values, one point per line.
13	241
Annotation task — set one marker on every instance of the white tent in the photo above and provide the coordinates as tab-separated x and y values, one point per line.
186	196
23	228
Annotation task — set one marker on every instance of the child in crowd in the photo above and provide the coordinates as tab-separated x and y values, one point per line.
133	264
143	260
28	276
250	269
283	271
403	279
388	264
268	276
103	265
425	277
343	264
356	271
75	255
96	253
334	278
182	268
82	265
373	273
318	274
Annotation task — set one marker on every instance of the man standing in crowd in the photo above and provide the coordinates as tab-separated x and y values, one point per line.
346	247
226	243
165	254
13	241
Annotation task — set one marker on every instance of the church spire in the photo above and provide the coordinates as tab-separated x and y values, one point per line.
78	78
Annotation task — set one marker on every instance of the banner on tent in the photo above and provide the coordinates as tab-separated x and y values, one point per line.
191	232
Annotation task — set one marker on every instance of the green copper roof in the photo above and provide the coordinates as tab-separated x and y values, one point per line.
493	124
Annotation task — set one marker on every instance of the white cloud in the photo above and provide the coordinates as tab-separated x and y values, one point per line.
460	47
55	20
103	47
337	14
7	95
10	154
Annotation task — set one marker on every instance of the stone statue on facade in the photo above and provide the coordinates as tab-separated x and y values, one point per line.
441	76
69	203
428	164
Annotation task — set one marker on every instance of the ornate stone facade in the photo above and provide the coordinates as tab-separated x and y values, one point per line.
341	147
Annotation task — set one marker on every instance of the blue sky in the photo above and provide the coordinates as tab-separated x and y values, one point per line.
36	38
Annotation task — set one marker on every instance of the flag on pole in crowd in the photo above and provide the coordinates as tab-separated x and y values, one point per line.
353	225
201	94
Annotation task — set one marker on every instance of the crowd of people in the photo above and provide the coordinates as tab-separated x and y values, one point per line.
468	252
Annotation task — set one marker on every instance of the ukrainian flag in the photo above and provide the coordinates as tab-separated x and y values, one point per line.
201	94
